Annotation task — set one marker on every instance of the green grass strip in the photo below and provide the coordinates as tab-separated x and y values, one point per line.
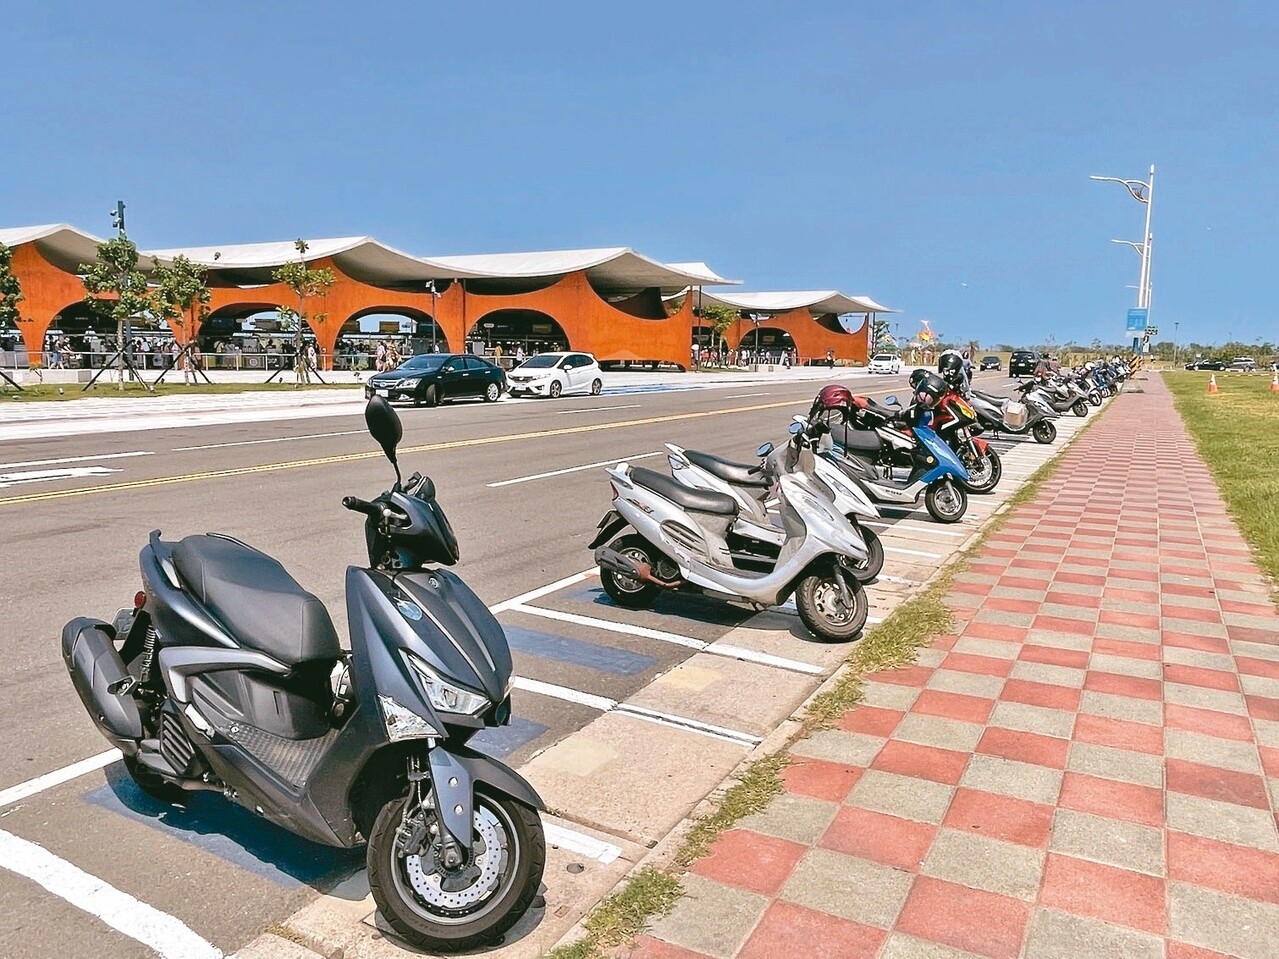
1237	434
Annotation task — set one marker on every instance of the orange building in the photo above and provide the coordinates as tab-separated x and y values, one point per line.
612	302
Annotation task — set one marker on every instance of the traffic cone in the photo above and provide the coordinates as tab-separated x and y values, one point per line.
1274	383
1212	385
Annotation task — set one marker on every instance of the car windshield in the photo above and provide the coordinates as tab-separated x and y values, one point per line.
990	359
543	362
887	357
427	361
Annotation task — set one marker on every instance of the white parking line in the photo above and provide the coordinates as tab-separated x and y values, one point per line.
278	439
606	705
912	552
930	530
32	786
168	936
675	639
598	409
74	459
573	469
580	843
541	591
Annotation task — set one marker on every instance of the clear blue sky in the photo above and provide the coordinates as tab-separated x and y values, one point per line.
933	155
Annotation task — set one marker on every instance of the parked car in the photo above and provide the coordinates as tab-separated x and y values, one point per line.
1243	364
1023	362
553	374
885	363
991	363
432	378
1206	365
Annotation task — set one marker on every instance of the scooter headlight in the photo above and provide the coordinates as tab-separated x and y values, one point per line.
445	696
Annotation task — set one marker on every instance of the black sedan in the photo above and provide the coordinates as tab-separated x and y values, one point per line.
990	363
432	378
1207	365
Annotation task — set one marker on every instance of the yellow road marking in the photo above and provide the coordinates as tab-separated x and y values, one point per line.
350	457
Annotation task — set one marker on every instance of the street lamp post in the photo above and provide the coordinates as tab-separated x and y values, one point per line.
1143	191
1176	326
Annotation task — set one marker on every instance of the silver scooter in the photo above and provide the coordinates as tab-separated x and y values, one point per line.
679	542
758	528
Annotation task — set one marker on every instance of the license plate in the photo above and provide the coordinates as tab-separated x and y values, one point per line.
382	392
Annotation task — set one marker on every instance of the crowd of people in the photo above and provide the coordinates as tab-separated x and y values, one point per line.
712	356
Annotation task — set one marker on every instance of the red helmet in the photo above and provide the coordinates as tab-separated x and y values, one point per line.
834	397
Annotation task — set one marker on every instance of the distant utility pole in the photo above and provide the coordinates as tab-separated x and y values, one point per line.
1143	191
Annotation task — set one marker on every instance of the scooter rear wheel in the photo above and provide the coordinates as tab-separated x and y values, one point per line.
623	590
153	785
946	501
822	608
1044	431
874	553
436	910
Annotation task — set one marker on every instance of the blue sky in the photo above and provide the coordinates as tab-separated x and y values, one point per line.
933	155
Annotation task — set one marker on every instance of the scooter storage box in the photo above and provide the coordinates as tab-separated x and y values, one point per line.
1016	415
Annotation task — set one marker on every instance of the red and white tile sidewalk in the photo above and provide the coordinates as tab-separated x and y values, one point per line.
1088	768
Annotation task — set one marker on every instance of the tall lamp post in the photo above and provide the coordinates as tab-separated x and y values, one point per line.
1176	326
1142	191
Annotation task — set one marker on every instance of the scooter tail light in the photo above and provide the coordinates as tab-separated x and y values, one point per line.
139	600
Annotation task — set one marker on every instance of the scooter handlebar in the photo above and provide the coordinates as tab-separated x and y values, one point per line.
362	506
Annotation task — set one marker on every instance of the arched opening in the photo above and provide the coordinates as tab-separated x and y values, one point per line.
248	336
79	337
408	330
529	330
768	342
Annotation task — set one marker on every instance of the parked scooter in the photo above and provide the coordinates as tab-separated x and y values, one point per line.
1029	415
226	675
679	542
878	438
757	531
1060	394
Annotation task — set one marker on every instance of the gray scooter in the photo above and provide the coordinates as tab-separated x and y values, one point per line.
226	675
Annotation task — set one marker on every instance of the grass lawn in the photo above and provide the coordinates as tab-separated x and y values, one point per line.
105	388
1237	433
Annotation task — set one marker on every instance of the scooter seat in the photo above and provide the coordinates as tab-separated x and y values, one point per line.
861	441
256	599
739	474
989	397
694	500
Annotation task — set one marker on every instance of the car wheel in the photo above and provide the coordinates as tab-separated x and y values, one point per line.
492	392
597	387
554	390
430	397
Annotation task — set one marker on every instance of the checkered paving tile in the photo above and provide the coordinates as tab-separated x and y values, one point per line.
1088	767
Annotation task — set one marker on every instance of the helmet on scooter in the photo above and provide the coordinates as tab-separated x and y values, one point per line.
931	390
951	367
832	399
916	378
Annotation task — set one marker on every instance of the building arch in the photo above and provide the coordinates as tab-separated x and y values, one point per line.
533	330
771	340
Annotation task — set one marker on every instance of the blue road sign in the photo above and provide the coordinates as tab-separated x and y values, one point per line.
1137	320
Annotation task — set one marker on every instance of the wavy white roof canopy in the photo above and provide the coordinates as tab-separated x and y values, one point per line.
62	244
818	302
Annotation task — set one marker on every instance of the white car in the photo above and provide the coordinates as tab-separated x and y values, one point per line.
553	374
885	363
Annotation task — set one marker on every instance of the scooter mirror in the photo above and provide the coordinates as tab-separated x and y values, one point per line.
384	426
801	420
764	450
892	401
796	428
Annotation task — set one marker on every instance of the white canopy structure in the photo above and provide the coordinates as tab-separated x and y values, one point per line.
62	244
610	269
817	302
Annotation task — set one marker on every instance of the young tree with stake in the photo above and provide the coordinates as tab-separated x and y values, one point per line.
305	283
182	297
117	290
10	297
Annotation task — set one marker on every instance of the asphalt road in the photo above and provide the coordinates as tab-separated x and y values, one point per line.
70	547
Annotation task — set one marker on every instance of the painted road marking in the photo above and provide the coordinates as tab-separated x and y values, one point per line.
912	552
930	530
599	409
38	785
580	843
74	459
541	591
576	652
739	396
572	469
165	934
48	476
278	439
606	705
675	639
355	457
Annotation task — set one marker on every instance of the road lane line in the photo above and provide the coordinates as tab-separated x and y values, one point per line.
580	843
278	439
356	457
600	409
675	639
606	705
573	469
74	459
166	935
740	396
56	778
49	476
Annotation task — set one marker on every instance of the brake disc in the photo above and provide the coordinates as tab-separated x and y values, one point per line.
456	889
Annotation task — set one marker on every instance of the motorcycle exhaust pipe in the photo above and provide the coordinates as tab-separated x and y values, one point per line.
99	676
612	560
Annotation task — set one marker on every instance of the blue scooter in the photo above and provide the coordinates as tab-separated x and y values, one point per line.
884	437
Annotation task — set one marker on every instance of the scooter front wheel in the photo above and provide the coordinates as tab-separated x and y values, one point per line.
874	553
450	910
625	590
984	477
824	610
946	501
1080	408
1044	431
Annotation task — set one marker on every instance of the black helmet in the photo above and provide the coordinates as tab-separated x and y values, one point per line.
916	378
951	366
930	390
